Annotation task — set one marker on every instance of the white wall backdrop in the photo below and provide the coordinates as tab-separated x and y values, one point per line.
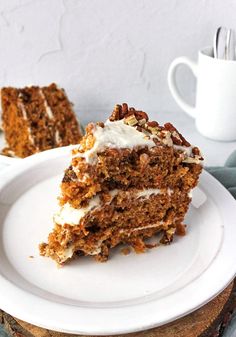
106	51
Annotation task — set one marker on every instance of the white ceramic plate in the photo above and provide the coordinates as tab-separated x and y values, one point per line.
126	294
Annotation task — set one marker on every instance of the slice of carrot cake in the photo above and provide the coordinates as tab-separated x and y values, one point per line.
36	119
129	179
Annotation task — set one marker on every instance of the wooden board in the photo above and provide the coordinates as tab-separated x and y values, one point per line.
200	323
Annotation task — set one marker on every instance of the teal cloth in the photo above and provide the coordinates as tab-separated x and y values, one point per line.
226	174
3	333
231	329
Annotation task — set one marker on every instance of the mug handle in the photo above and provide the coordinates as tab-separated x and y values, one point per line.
189	109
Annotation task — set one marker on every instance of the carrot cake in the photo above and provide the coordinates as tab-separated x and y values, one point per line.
36	119
129	179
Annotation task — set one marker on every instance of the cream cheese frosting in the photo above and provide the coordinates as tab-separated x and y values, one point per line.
116	134
68	253
47	107
24	113
50	115
72	216
147	192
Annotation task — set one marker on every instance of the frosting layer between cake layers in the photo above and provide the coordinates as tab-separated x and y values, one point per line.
72	216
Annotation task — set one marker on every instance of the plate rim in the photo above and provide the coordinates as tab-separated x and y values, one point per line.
25	311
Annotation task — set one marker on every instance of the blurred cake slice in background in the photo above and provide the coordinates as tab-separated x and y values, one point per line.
36	118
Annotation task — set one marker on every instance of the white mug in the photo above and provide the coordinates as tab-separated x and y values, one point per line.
215	109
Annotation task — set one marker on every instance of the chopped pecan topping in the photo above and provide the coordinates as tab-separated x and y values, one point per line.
101	124
169	127
193	160
142	121
152	124
176	140
131	120
184	141
154	131
141	115
196	151
90	128
168	134
124	109
139	128
156	141
115	116
89	142
166	137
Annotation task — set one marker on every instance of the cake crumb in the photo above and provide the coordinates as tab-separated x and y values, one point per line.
151	245
31	257
181	229
125	251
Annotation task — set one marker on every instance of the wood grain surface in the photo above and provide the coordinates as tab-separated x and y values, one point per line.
200	323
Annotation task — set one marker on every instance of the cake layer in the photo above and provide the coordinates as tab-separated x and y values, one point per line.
158	167
127	217
129	151
118	201
98	246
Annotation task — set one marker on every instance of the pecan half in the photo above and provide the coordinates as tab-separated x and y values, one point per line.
152	124
169	127
184	141
116	114
141	115
101	124
176	140
196	151
124	109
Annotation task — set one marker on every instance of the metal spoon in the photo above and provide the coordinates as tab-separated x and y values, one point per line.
230	45
216	41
